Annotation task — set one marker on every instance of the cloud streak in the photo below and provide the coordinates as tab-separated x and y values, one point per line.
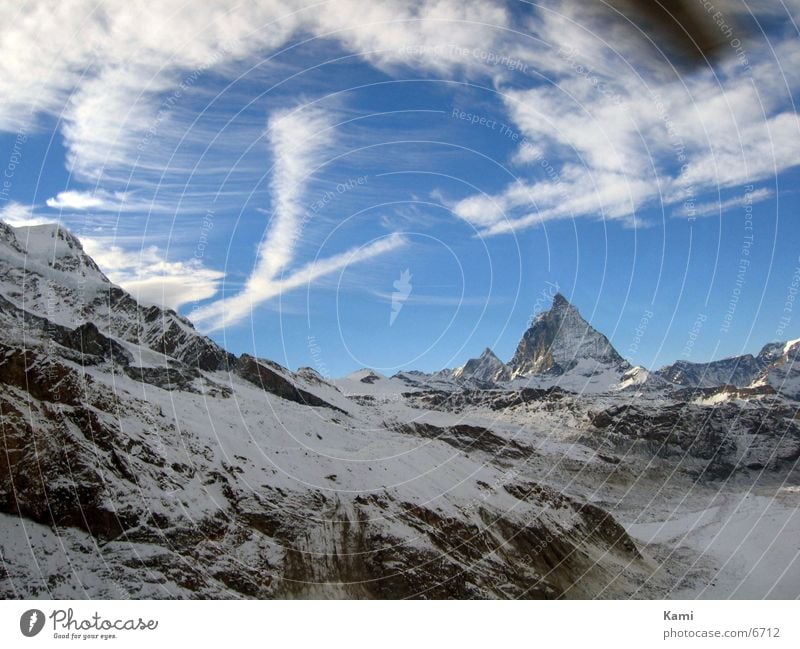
229	311
298	140
716	208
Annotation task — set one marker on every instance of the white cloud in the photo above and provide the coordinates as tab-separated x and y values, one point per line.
609	124
228	311
716	208
616	136
752	151
150	278
105	68
81	200
298	139
576	191
110	71
17	215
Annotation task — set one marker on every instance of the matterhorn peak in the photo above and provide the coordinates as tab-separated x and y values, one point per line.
560	305
559	340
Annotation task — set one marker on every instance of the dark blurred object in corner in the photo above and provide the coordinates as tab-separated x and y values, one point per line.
689	33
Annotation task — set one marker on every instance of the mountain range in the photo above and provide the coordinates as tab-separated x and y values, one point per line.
562	349
141	459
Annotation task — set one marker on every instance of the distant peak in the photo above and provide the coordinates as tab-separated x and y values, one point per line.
559	340
488	352
559	301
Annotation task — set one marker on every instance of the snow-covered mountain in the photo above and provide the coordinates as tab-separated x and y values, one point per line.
739	371
140	459
44	270
775	366
487	367
781	370
560	341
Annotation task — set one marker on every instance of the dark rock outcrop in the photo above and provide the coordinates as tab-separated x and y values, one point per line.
269	377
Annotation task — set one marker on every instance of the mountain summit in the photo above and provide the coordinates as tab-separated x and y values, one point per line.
487	367
559	340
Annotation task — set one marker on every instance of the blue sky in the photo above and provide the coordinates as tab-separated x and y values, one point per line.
273	170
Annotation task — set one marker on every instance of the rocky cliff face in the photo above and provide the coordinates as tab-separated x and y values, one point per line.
559	340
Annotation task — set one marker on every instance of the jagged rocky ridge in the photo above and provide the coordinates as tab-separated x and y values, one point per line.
772	369
140	459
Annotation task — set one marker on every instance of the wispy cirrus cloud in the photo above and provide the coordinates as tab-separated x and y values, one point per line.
299	140
229	311
716	208
121	79
114	72
607	124
443	300
608	136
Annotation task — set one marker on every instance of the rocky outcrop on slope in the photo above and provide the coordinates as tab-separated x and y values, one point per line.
273	378
725	438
